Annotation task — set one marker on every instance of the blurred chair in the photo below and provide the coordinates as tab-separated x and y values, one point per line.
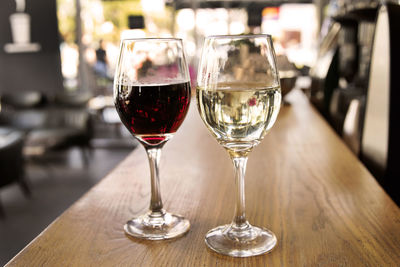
63	128
340	106
22	100
324	74
352	126
72	99
11	161
60	124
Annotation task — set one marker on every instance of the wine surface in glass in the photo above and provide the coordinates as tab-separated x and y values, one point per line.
152	112
239	114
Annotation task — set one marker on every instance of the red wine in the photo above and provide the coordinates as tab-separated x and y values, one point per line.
152	112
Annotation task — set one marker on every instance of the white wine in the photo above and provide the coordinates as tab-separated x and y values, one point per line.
239	114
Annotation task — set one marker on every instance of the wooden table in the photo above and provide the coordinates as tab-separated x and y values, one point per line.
302	182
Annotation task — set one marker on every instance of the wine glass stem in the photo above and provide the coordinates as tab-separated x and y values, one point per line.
239	220
154	155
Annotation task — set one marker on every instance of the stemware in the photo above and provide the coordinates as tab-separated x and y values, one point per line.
152	96
239	97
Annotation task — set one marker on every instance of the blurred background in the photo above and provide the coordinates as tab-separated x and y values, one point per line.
60	134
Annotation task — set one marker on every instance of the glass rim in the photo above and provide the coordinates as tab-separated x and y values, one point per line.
163	39
239	36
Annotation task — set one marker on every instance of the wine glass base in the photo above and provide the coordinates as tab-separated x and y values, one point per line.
247	242
157	226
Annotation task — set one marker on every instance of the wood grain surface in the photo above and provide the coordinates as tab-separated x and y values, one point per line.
302	182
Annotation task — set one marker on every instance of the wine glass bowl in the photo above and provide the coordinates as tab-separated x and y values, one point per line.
238	98
152	96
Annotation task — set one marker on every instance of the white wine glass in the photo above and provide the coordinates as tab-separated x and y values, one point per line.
239	97
152	96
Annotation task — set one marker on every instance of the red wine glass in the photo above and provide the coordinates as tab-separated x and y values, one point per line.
152	97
